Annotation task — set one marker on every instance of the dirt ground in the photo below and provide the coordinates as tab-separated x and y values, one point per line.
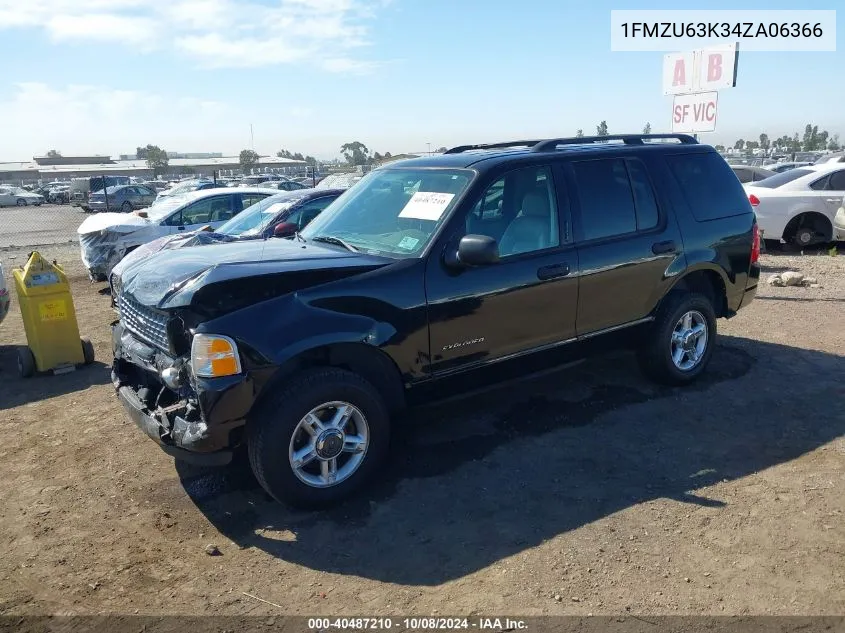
587	491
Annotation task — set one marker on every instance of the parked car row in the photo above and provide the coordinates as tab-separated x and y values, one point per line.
423	279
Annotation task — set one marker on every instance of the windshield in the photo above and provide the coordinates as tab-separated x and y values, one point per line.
392	212
778	180
254	219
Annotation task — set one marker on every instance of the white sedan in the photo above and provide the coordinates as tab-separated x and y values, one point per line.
798	206
15	196
106	237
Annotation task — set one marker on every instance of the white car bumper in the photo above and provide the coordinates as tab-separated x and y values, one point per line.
839	224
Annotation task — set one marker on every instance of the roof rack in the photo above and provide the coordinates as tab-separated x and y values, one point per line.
548	145
465	148
627	139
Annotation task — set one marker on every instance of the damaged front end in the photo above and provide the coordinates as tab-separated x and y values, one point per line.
188	418
101	252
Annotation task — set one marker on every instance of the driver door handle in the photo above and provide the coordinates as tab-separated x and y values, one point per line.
552	271
661	248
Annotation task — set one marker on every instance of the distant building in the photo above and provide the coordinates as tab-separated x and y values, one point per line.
67	167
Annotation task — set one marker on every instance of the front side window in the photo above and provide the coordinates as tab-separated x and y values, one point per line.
208	210
391	212
519	211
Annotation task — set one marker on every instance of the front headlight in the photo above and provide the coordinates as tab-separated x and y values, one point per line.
214	356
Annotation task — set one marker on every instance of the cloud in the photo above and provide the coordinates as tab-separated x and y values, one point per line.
216	33
350	66
108	119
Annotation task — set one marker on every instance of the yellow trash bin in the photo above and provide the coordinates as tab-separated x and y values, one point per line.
49	320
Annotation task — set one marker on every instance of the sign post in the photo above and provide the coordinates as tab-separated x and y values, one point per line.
694	78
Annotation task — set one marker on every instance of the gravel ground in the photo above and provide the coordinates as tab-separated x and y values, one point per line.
586	491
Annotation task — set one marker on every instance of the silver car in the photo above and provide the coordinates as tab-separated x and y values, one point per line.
123	198
15	196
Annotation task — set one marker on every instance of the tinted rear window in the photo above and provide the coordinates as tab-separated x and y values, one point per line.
710	187
778	180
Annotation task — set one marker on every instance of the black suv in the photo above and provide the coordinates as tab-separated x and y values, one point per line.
429	277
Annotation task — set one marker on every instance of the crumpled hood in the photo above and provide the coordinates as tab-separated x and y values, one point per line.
114	222
169	278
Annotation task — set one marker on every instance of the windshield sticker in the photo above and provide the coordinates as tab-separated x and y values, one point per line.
408	243
426	205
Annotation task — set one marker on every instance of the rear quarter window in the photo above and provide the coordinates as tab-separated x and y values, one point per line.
711	189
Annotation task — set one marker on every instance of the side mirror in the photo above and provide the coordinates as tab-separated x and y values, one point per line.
284	229
474	250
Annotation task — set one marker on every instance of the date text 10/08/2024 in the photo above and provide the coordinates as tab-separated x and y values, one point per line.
416	624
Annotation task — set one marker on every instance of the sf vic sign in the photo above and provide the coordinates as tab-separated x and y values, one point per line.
694	77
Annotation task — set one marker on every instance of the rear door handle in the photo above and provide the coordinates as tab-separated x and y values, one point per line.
555	270
661	248
834	199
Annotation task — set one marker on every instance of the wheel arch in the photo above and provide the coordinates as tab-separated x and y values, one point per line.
710	282
367	361
819	221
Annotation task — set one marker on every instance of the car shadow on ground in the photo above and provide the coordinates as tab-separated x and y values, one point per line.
481	479
16	391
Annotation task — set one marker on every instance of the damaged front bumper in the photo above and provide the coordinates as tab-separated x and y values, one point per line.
101	252
199	422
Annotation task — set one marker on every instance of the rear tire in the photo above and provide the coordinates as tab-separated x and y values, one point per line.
126	207
674	353
26	362
276	433
87	350
804	237
21	202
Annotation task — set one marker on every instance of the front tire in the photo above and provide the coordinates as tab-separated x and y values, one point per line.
21	202
680	344
317	440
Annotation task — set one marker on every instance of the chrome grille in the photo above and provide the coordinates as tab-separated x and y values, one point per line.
147	323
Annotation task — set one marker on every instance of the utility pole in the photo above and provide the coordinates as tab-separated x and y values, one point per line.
429	148
251	138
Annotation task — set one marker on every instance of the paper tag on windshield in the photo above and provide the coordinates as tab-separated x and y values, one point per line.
408	243
426	205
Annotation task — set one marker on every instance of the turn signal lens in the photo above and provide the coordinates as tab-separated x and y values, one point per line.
213	356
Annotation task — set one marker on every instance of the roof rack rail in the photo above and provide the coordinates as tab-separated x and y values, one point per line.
627	139
465	148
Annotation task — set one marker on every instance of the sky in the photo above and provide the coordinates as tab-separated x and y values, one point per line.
105	76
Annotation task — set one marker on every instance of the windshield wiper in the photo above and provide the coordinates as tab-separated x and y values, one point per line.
298	237
331	239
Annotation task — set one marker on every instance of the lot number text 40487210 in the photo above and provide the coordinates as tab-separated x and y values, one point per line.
416	624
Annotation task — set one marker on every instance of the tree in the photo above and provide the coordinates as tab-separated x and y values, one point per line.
833	145
248	159
442	150
647	128
601	129
310	160
156	158
739	144
284	154
355	153
811	137
764	141
579	133
54	153
720	148
751	145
